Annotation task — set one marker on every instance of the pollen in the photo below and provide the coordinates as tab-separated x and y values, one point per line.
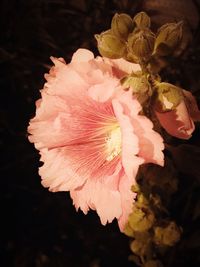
113	142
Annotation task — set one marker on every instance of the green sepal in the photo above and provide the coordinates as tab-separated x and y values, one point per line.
167	97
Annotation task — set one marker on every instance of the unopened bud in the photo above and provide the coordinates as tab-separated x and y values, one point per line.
142	20
122	25
137	247
167	97
141	220
168	235
109	45
141	44
168	38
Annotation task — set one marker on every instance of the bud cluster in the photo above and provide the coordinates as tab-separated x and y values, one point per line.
149	225
133	40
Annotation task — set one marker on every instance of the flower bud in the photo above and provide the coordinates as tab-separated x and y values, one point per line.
168	235
141	220
168	97
142	20
168	38
179	121
140	45
121	25
138	247
109	45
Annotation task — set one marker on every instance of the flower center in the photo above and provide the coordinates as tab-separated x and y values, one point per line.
113	142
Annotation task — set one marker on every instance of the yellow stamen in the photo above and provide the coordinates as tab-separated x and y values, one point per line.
113	142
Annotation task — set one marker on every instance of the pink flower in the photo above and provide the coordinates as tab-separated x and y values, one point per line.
91	137
180	121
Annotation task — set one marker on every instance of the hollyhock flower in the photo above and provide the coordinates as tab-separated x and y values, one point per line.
180	121
91	136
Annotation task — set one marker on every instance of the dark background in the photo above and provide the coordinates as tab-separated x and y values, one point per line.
39	228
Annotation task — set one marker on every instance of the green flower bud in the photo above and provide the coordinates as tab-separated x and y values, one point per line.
142	20
167	97
168	38
140	45
168	235
128	230
137	247
141	220
122	25
109	45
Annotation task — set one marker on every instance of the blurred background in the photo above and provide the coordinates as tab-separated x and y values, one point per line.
39	228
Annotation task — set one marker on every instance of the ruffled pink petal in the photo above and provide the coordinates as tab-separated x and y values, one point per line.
65	80
52	122
150	143
121	67
100	195
104	91
82	55
192	106
127	200
57	173
130	143
177	122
